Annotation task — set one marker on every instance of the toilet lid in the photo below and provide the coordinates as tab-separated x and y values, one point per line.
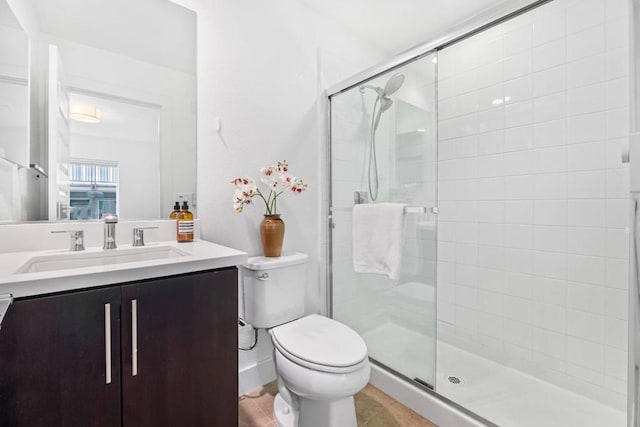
321	341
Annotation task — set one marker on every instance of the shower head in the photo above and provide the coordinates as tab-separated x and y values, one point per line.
393	84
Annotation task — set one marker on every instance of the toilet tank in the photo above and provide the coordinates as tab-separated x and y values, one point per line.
274	289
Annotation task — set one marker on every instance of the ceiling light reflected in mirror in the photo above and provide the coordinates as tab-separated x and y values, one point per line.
85	113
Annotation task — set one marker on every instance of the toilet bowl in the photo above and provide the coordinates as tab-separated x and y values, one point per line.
320	362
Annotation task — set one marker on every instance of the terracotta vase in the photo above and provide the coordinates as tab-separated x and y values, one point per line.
272	235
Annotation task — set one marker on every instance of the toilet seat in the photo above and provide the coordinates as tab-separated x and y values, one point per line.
321	344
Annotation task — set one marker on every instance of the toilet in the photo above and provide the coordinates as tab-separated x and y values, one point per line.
320	362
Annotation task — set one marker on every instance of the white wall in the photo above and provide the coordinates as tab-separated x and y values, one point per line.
533	237
25	15
261	70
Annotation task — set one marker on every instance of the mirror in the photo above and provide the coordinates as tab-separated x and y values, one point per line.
107	96
14	113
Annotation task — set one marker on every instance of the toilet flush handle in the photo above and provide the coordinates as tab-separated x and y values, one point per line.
263	276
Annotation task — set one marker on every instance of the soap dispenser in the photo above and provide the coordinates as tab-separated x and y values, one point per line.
184	224
176	211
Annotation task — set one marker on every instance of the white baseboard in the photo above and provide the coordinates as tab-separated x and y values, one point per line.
254	376
430	407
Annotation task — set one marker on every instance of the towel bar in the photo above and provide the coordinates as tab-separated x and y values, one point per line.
407	209
421	209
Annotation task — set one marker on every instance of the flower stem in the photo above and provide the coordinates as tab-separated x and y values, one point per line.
275	197
265	201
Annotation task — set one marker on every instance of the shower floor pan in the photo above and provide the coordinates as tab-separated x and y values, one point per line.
501	394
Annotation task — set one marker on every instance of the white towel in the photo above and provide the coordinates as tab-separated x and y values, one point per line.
377	238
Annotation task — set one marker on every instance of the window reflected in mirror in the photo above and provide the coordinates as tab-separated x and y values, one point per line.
94	189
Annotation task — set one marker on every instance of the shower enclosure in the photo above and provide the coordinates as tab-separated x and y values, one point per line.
384	149
504	146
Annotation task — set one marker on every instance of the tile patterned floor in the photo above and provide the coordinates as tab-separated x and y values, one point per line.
373	408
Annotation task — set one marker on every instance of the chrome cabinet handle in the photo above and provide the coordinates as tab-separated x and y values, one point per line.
263	276
107	343
134	338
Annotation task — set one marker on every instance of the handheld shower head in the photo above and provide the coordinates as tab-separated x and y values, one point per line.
393	84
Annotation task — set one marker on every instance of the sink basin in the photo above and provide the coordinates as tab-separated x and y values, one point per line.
73	260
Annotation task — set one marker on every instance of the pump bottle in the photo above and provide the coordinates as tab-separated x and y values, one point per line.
175	212
184	224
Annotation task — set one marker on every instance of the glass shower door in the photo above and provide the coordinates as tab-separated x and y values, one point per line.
383	149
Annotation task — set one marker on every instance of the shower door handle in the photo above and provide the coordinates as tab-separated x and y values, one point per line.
634	317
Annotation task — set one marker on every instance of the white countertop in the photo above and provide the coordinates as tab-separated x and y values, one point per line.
200	255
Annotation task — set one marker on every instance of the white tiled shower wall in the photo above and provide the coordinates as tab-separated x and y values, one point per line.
533	237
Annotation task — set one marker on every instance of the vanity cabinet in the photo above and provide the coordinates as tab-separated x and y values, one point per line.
186	370
53	361
172	358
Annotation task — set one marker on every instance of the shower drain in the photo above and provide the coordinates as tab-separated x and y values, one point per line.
454	380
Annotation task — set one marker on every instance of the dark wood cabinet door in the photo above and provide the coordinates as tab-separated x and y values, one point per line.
185	331
53	361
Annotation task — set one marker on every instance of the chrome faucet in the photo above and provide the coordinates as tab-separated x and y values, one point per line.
77	239
110	221
138	235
